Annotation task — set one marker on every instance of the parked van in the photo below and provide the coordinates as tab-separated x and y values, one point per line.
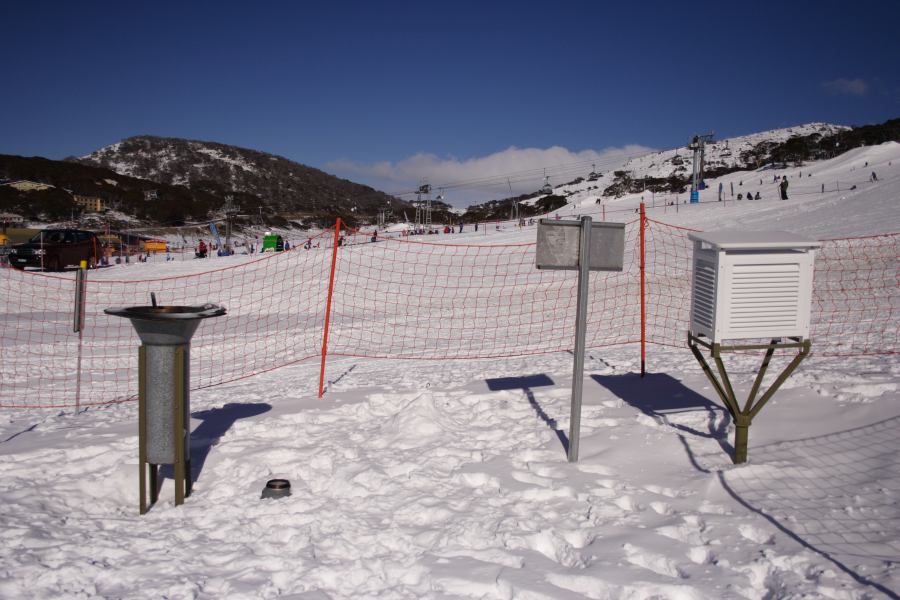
55	249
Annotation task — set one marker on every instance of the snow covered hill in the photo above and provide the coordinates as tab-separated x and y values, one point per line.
278	183
828	198
730	153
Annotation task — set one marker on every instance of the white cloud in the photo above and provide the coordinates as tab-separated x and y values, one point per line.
847	87
466	181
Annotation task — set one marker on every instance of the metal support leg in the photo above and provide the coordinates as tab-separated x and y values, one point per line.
709	374
726	383
142	428
804	352
722	385
179	426
741	433
760	375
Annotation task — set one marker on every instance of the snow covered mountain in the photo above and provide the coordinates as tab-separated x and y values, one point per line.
281	184
670	170
741	152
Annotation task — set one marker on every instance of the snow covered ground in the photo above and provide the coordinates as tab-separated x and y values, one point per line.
418	479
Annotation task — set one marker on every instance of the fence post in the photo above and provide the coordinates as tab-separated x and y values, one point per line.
78	325
643	226
334	251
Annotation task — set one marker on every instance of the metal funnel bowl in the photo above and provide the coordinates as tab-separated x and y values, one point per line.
164	363
166	325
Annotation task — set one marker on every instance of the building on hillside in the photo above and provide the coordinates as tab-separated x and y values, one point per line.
89	203
11	218
24	185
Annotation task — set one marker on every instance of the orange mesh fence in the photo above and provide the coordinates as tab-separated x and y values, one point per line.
668	288
275	309
411	299
400	298
855	303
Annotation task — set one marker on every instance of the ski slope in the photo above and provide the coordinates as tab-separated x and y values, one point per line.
449	479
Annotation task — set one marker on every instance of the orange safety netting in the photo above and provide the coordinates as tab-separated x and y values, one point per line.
401	299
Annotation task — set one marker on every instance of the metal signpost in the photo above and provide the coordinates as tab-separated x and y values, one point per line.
580	246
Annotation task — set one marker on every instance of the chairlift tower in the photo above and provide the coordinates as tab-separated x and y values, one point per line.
440	196
698	145
547	188
383	215
231	211
423	207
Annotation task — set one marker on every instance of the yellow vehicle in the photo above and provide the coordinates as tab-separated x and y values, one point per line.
4	240
154	245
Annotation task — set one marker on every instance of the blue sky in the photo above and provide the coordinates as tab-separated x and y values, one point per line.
387	92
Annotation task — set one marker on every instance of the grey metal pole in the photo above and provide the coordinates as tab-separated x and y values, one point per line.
584	252
78	327
78	317
695	178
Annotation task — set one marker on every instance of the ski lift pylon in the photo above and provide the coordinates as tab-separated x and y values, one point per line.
547	188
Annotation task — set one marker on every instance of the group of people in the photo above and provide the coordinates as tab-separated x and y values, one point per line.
750	196
202	250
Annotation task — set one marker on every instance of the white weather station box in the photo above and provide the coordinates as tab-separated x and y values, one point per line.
751	284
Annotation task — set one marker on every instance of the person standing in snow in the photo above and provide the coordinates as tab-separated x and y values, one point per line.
784	187
874	177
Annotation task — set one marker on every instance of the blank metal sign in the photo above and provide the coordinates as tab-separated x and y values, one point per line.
558	243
